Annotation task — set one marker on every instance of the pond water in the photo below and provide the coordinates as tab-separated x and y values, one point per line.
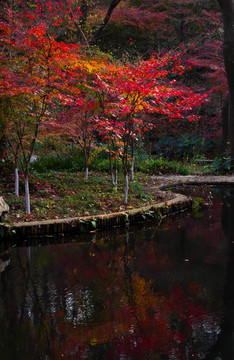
144	293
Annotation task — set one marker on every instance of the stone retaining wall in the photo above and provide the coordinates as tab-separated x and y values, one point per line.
100	222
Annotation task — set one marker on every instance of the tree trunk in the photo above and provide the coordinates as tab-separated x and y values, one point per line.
126	189
111	167
86	156
27	197
116	176
113	177
231	125
16	181
224	143
84	12
86	172
132	169
98	32
227	8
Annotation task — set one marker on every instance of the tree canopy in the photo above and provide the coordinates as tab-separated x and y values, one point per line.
108	71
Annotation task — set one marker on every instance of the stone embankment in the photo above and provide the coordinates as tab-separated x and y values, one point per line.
168	181
100	222
177	203
4	208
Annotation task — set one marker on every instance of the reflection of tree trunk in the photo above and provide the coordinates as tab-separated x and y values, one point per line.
224	346
27	309
38	316
9	333
9	306
129	283
228	346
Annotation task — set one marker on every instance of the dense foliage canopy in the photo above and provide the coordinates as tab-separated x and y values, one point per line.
144	67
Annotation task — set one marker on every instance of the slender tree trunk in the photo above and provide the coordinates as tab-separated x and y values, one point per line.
132	160
125	167
84	12
125	171
224	143
126	189
16	181
113	177
116	175
231	125
111	168
27	196
86	161
149	144
16	176
98	32
132	169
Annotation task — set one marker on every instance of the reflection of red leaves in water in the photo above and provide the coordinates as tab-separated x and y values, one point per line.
173	318
135	320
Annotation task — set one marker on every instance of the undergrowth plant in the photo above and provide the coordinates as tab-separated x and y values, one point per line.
161	166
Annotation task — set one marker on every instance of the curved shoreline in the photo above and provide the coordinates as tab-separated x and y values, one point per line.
76	225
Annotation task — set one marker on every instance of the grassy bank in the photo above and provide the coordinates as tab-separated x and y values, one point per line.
57	195
58	190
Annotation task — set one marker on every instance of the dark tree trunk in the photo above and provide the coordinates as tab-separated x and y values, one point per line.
98	32
84	12
2	145
227	8
3	113
224	143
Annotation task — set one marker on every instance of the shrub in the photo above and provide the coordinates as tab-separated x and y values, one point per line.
184	146
53	162
221	165
162	166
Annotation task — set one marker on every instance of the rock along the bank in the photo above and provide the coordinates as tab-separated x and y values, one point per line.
4	208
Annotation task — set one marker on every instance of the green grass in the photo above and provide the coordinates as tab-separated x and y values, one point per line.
59	194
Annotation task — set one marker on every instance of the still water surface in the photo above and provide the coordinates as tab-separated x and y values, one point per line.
147	293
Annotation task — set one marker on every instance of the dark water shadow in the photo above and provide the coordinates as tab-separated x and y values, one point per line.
141	293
